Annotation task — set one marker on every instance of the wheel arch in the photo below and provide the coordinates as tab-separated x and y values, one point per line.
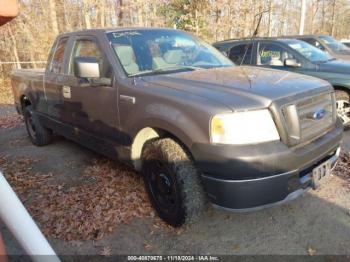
25	101
341	88
148	133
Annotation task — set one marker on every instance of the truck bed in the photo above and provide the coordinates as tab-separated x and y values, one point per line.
24	80
29	73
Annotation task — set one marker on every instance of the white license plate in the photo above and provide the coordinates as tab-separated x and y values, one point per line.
320	173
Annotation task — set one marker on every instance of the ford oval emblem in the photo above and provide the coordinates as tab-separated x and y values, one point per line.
319	114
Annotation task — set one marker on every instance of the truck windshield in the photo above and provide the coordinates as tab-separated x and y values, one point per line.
156	51
308	51
333	44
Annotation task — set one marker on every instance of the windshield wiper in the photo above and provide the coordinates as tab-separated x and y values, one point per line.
166	69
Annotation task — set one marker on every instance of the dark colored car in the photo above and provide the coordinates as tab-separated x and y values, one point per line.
294	56
180	112
327	44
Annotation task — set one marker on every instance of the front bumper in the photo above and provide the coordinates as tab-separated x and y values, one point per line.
255	176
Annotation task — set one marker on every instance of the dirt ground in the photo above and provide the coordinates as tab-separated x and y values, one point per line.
316	223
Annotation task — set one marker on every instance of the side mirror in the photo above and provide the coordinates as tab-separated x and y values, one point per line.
86	67
291	62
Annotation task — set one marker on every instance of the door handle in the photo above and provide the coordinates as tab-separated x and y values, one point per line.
128	99
66	92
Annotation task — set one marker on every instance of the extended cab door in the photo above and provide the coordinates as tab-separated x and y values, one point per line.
54	78
91	108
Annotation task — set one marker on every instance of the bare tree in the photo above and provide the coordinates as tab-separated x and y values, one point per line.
302	17
333	17
53	16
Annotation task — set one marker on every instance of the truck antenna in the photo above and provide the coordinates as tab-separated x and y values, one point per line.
254	33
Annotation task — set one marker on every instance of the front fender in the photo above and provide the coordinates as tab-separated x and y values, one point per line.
184	126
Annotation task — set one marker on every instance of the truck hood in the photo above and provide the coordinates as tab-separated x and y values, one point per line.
242	87
336	66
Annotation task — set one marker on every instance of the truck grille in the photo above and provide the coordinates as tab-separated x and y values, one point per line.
309	118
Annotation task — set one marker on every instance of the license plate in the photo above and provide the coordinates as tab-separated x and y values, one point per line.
320	173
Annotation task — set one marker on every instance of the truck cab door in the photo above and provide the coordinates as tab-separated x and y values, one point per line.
91	109
54	79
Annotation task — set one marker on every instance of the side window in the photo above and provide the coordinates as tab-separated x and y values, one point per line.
89	48
314	42
57	59
236	54
273	55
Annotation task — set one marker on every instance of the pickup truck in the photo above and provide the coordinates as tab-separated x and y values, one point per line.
196	126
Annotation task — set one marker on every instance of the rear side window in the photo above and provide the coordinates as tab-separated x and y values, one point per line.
57	59
313	42
238	52
89	48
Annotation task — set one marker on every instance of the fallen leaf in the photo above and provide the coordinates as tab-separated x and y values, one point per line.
106	251
311	251
148	246
236	247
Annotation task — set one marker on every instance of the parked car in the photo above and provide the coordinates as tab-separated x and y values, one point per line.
327	44
177	110
294	56
346	42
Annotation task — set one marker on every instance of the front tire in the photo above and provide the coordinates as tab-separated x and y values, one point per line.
172	182
38	134
343	107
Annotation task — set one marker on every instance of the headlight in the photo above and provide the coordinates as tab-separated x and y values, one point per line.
239	128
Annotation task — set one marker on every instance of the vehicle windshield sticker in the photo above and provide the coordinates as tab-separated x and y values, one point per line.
269	53
122	34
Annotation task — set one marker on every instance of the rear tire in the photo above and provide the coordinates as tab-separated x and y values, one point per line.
343	107
172	182
38	134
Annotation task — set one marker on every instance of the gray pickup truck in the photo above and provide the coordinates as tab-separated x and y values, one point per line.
196	126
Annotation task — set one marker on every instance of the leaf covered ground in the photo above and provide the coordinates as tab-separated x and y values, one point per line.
6	96
11	121
108	195
343	167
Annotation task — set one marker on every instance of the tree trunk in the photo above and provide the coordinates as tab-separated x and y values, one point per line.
102	14
333	17
270	18
196	22
121	13
15	51
323	16
66	19
53	16
302	17
140	12
86	10
313	17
